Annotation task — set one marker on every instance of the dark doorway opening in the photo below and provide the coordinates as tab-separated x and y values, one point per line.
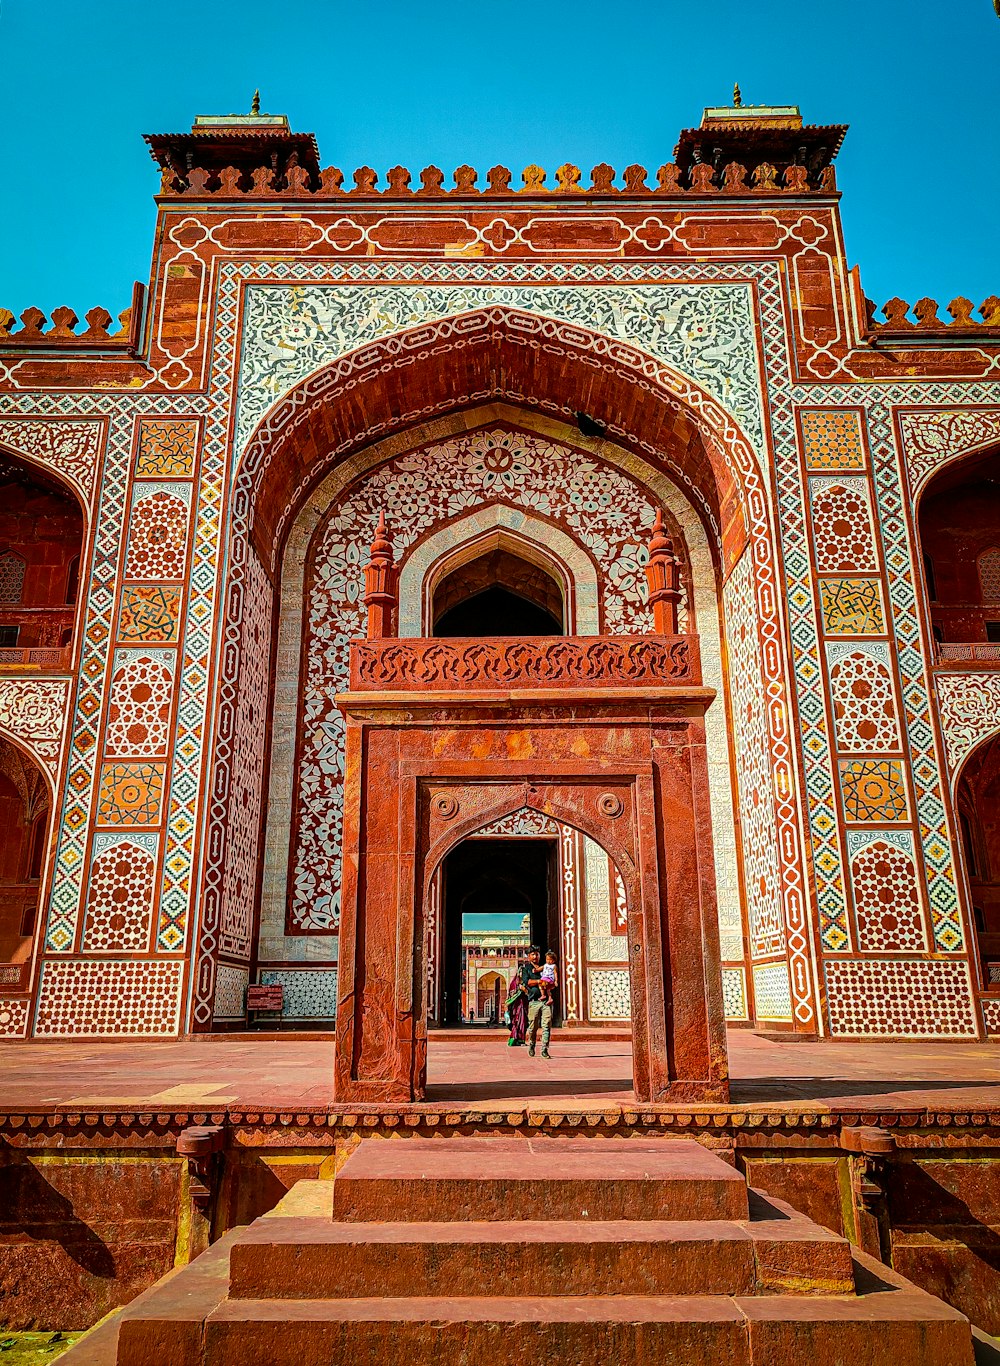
498	594
503	894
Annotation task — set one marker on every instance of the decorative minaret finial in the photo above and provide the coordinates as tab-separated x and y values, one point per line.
737	96
661	575
255	105
380	584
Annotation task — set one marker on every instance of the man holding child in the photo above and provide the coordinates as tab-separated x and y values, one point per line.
534	986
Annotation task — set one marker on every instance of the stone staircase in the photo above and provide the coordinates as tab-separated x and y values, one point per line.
563	1250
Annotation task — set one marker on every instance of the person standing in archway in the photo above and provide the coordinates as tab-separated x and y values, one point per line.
539	1001
524	990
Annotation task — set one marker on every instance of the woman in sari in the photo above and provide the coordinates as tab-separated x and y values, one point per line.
516	1010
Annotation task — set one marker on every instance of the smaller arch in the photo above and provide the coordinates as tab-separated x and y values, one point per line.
977	810
576	820
499	527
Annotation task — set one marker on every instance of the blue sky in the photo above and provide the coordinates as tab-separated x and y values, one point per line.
447	83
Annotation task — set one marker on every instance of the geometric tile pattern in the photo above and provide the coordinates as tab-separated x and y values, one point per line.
610	995
182	814
11	577
753	765
13	1017
864	706
166	448
887	896
891	998
852	607
247	773
149	612
230	992
842	526
734	993
120	898
938	865
142	687
772	993
989	576
873	790
130	794
157	541
106	997
831	439
309	993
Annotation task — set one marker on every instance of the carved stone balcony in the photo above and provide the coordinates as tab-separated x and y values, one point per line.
977	652
37	659
520	664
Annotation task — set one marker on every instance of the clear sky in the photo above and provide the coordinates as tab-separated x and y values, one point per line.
421	82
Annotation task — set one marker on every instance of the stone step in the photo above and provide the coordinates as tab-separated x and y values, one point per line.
890	1323
309	1256
458	1179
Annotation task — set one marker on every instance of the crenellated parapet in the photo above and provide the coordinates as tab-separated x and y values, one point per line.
63	330
297	181
924	318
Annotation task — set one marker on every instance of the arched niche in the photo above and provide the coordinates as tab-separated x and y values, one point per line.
958	523
498	527
421	561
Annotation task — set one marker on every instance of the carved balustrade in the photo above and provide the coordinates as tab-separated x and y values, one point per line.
64	332
38	659
974	651
502	665
296	181
926	320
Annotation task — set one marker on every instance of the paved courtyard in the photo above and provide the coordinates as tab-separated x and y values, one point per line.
289	1071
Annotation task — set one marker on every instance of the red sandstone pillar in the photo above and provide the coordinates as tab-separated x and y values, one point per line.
661	575
380	585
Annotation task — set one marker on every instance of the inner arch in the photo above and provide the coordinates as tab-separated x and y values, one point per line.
497	594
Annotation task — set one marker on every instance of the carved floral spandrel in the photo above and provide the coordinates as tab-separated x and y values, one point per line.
603	662
71	449
703	330
933	438
969	707
33	713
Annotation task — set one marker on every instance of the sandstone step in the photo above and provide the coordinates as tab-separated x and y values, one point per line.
430	1180
889	1323
315	1260
561	1332
298	1252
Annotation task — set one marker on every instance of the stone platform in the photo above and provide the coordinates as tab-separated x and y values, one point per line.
102	1190
648	1251
239	1073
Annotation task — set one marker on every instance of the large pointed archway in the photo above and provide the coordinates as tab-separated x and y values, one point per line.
329	423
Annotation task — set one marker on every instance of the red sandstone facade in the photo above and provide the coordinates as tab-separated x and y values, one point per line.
782	751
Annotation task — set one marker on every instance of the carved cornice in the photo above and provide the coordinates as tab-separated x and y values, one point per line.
437	665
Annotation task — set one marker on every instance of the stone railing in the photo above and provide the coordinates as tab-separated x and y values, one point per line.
979	650
438	665
36	331
37	658
14	977
297	181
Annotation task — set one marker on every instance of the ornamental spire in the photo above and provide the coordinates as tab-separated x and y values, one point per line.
737	96
380	584
661	575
